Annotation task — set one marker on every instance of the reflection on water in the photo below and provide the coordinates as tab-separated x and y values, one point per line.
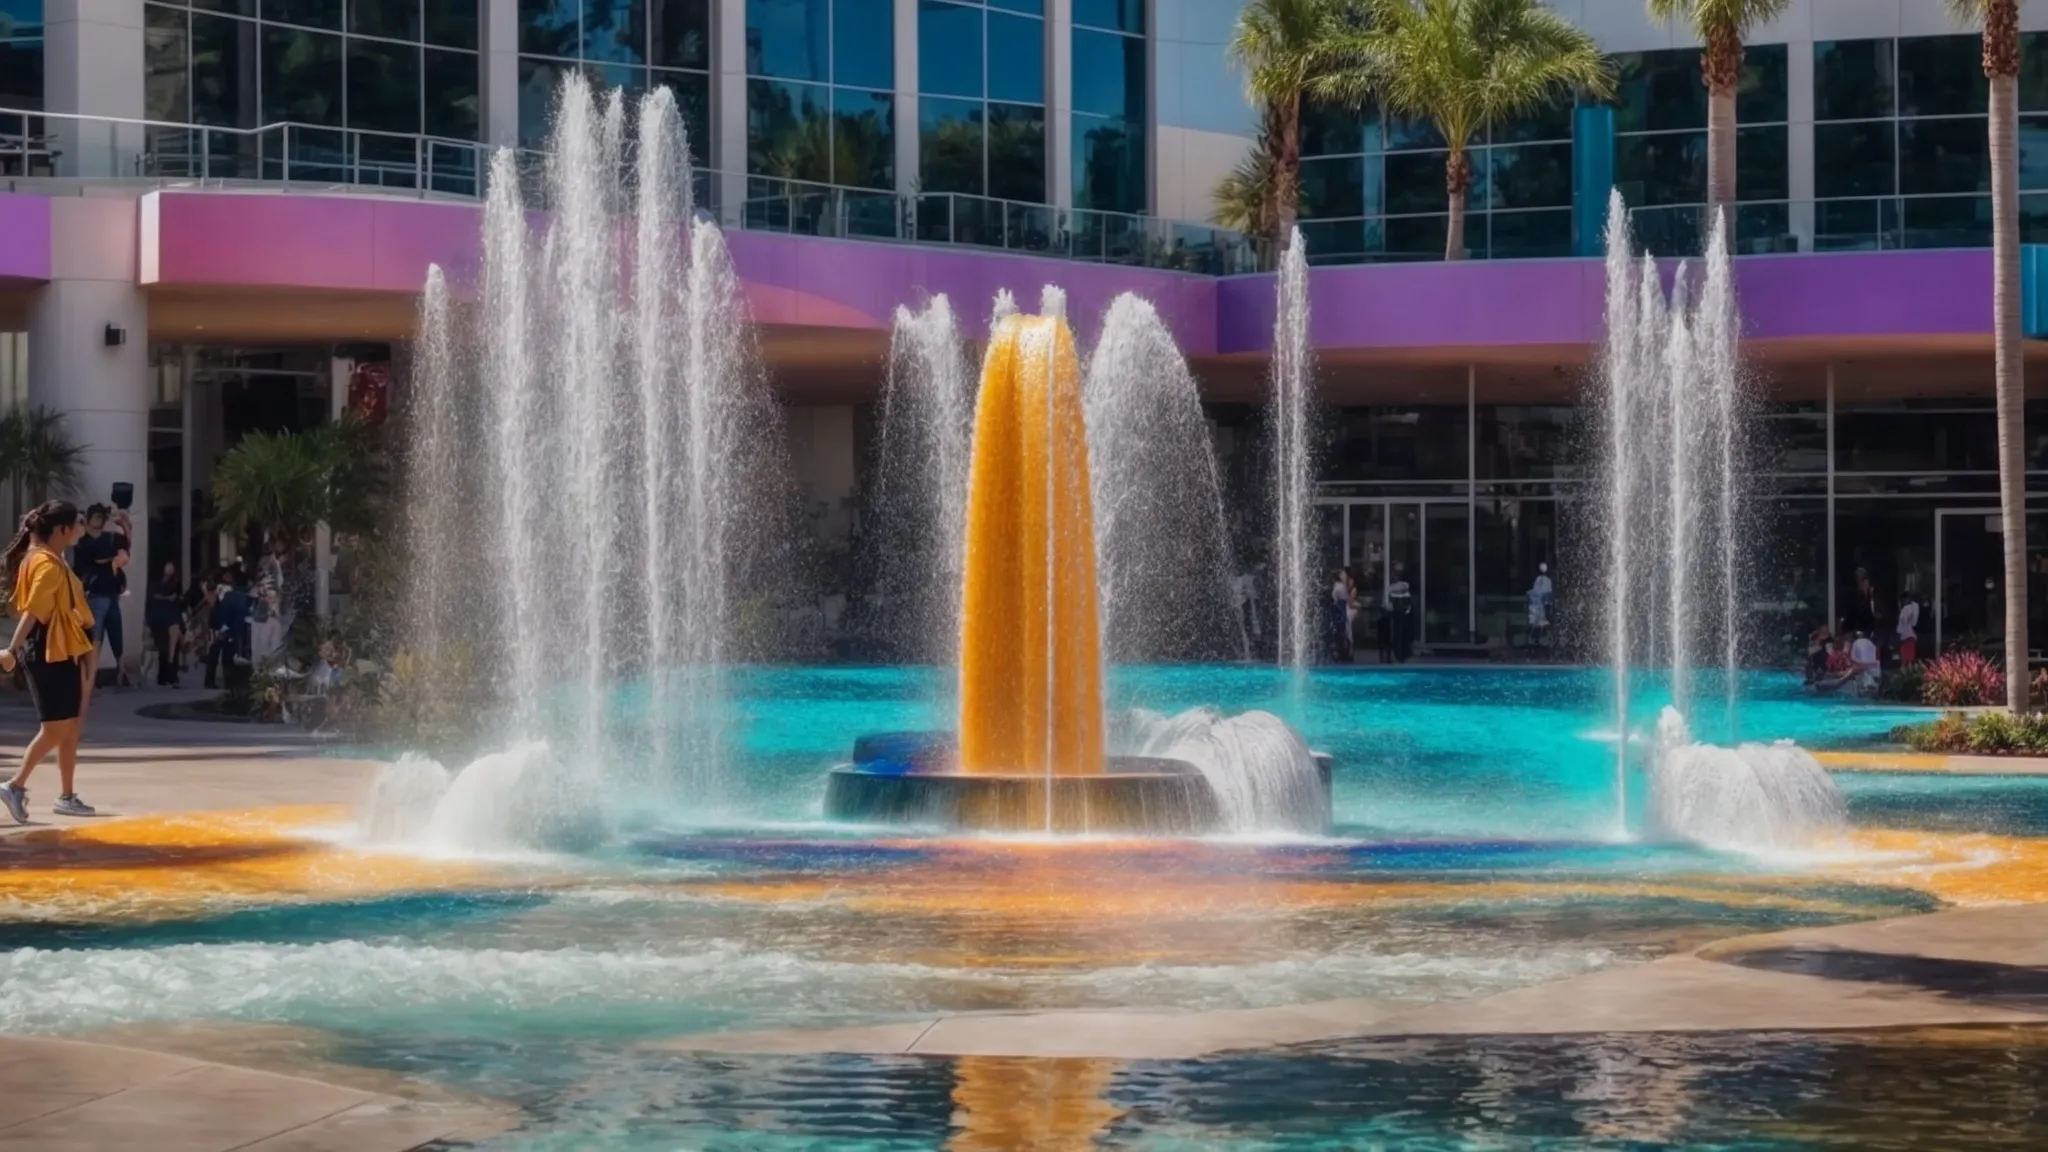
1929	1089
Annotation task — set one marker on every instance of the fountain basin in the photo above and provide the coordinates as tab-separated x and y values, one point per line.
908	778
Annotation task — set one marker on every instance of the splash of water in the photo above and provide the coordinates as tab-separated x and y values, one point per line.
1748	796
1159	522
1264	777
1291	379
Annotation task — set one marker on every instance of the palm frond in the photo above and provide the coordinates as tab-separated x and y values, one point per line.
1244	200
1705	16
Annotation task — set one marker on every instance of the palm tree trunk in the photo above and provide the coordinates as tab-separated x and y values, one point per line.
1457	180
1288	183
2012	492
1720	158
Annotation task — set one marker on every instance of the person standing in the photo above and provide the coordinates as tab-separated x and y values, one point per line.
165	615
52	644
1909	631
98	559
1541	593
1333	619
1400	605
230	625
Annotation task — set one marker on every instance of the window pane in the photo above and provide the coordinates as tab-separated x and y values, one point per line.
950	146
312	13
693	98
224	71
1016	152
383	86
682	33
788	131
863	138
1405	134
1329	131
1942	76
1670	168
789	38
2034	72
2033	139
1333	187
1034	7
1418	237
1109	164
1760	96
452	25
1852	79
1531	176
453	108
864	43
1551	123
548	27
949	49
301	76
1332	241
1016	65
232	7
1853	160
1948	222
1944	156
1400	443
1660	90
1524	235
615	31
166	88
1109	75
1760	164
1415	182
21	53
538	82
394	19
1122	15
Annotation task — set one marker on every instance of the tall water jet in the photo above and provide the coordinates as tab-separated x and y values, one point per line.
1682	442
1288	420
1619	377
917	520
1030	672
1158	502
434	488
1715	335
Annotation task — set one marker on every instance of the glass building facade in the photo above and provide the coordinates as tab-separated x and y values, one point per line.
1110	106
981	82
1660	147
635	45
21	54
821	104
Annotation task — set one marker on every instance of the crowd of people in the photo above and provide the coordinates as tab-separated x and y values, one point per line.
1851	657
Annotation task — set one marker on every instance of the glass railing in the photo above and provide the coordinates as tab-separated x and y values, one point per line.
40	146
1850	224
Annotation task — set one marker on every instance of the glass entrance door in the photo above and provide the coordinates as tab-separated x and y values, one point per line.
1969	566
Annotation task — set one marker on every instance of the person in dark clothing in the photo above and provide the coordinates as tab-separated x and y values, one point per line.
1400	604
230	624
165	615
98	558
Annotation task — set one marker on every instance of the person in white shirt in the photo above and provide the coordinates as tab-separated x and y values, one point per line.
1863	655
1909	635
1541	594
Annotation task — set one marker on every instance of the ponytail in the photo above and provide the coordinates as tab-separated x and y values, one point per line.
37	525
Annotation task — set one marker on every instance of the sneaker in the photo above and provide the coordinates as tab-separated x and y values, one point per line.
71	806
15	800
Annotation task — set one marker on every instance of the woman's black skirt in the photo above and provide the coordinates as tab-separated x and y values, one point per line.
58	689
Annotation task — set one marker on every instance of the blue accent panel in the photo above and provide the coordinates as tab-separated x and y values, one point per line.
2034	291
1592	176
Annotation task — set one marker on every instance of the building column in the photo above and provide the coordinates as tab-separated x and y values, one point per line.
1799	145
1059	102
92	66
908	165
498	20
100	386
729	107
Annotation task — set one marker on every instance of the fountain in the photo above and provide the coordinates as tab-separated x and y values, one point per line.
1296	583
1032	753
1674	403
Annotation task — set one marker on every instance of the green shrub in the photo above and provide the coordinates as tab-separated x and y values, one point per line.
1906	685
1985	734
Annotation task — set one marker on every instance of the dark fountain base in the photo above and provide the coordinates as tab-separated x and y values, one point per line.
907	778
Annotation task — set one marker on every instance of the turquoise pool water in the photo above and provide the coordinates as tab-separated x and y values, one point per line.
1474	852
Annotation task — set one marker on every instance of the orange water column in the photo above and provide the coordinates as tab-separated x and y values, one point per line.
1030	652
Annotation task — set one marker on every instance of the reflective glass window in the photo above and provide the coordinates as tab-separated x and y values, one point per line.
311	13
1526	442
951	145
863	138
1109	75
1529	176
1118	15
1524	235
1030	7
2033	139
1658	91
1762	164
301	76
1332	186
1016	152
1553	122
229	7
1854	159
450	25
863	43
1946	221
949	49
1415	182
681	33
383	86
166	61
1942	76
21	53
789	130
1937	156
550	27
1416	237
613	32
452	106
391	19
2034	72
1853	79
224	71
1327	131
1109	164
1407	135
538	80
1662	168
789	39
693	98
1016	58
1399	443
1760	95
1332	239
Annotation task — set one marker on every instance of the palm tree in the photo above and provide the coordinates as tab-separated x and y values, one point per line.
1281	46
1244	201
1463	65
1722	26
276	481
38	459
2000	20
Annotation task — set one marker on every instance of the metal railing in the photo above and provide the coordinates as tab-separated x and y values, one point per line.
39	146
1848	224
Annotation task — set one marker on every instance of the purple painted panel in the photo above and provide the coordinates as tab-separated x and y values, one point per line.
24	238
337	242
1866	294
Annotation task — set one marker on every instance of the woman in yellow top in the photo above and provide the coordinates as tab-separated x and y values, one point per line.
51	643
